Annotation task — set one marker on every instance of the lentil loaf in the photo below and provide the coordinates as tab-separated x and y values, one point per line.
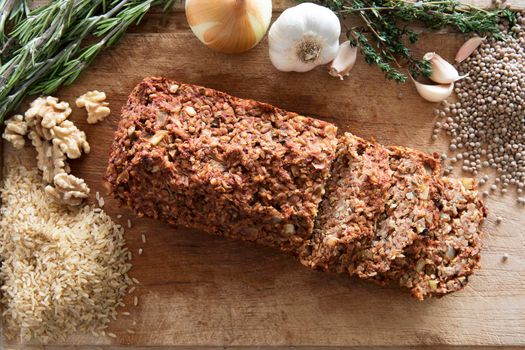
197	157
388	216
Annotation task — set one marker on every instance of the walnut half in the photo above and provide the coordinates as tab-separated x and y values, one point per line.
15	130
51	160
93	102
68	189
55	139
70	139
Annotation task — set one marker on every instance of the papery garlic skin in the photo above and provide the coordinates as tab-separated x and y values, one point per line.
434	93
344	60
229	26
304	37
468	48
442	71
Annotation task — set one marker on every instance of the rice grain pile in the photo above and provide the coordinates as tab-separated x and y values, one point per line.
63	270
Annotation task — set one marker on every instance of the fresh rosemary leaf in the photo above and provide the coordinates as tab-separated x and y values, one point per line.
53	44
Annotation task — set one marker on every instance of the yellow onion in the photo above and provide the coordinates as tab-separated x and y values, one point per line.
229	26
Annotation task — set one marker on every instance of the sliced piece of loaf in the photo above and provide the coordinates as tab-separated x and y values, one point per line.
388	216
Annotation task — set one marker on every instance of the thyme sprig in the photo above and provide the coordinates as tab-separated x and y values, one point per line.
50	46
385	36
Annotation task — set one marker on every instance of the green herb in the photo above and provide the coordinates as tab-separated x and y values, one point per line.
385	35
47	48
11	13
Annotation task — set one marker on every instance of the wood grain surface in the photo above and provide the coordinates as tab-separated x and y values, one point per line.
197	290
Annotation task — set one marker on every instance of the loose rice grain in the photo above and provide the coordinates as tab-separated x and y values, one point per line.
43	300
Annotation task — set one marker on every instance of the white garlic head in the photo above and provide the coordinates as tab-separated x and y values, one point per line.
304	37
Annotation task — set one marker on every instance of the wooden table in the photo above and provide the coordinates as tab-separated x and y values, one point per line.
200	291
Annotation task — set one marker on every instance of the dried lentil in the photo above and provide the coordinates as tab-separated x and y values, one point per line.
486	125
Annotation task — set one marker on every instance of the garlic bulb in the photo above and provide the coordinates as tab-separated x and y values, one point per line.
344	61
434	93
442	71
303	37
229	26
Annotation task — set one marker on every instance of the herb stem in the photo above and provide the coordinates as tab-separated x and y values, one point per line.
389	23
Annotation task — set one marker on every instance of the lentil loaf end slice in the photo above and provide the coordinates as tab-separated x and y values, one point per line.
197	157
388	216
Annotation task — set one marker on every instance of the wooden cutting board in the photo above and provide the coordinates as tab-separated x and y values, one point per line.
198	290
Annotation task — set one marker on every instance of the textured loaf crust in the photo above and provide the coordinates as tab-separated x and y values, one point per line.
197	157
388	216
200	158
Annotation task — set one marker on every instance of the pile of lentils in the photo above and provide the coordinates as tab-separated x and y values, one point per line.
486	125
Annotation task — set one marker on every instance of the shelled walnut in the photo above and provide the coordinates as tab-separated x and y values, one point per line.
15	130
93	102
70	139
68	189
49	111
55	139
50	158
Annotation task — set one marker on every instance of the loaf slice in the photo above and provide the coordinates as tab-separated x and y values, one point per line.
197	157
444	259
388	216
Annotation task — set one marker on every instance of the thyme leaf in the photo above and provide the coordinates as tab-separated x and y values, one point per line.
385	36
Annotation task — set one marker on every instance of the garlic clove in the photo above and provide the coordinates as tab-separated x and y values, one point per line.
468	48
442	71
434	93
229	26
344	61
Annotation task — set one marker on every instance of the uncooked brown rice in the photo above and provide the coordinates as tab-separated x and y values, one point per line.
63	270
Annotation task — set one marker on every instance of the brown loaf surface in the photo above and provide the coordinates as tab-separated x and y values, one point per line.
197	157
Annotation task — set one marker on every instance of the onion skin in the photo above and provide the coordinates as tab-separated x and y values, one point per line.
229	26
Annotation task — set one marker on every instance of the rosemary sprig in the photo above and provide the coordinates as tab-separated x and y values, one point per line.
11	13
385	35
51	49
